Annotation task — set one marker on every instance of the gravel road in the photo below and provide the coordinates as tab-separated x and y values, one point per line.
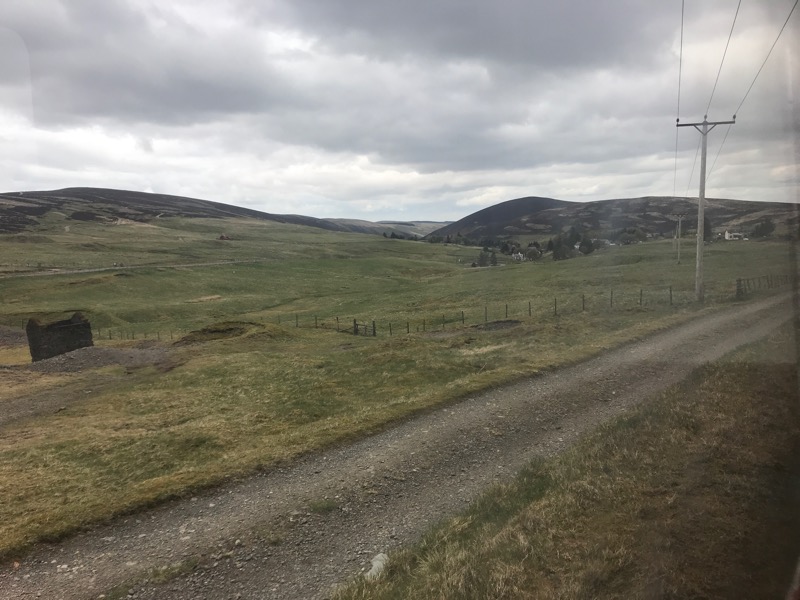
296	531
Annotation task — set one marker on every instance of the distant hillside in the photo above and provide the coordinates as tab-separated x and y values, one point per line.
530	216
22	210
404	228
653	214
501	219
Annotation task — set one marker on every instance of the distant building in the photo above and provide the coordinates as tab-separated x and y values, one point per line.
730	235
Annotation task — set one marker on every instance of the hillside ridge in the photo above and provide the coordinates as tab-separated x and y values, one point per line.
532	216
527	216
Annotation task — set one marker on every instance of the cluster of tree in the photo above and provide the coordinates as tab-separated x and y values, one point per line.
486	258
399	236
763	229
628	235
533	251
451	239
508	247
566	244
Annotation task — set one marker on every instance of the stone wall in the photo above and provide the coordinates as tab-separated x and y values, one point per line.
51	339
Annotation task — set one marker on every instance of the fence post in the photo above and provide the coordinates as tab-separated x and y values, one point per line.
374	330
423	325
670	295
355	327
462	317
408	327
640	296
296	321
390	329
442	322
555	306
337	323
315	321
583	302
485	314
530	314
506	311
612	298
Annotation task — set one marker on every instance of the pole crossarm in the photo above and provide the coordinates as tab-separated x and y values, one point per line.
709	124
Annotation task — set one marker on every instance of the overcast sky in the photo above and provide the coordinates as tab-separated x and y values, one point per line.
381	109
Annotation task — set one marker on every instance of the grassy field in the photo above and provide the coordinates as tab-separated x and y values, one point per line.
693	496
297	273
267	390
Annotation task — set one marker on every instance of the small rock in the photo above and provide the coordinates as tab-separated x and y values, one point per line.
378	565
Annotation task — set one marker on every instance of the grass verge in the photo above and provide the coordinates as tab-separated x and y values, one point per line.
692	496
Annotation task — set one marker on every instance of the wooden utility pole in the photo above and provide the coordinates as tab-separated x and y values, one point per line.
703	128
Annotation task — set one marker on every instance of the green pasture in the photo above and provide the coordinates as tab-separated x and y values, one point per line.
238	397
295	274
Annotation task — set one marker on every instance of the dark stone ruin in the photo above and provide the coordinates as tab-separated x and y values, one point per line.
52	339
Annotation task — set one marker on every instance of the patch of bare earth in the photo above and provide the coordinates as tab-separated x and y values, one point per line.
47	393
297	530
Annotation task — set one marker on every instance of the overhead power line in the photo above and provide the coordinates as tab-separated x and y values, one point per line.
767	58
678	108
719	150
730	33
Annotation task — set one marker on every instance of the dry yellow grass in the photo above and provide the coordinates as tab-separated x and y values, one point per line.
15	355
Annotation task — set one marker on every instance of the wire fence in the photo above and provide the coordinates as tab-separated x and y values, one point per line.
555	306
607	301
596	301
746	286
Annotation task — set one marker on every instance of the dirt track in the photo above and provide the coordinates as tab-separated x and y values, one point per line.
298	530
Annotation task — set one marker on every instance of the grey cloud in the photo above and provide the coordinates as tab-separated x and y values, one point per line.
99	60
564	34
461	97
